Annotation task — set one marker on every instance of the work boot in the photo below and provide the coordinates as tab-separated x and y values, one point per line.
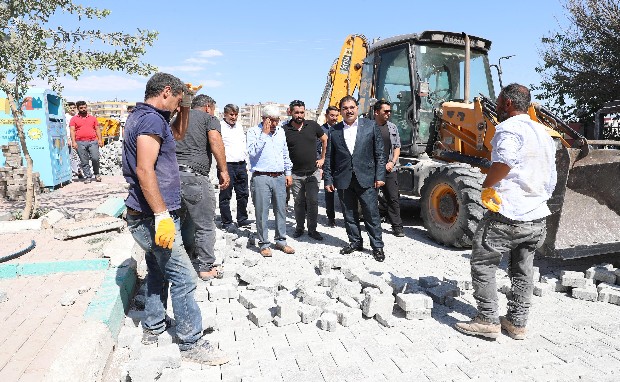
479	327
398	231
331	223
150	337
205	353
514	332
298	232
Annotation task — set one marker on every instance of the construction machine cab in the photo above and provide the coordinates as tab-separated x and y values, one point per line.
417	73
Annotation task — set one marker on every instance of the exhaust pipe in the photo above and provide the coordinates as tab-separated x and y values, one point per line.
467	69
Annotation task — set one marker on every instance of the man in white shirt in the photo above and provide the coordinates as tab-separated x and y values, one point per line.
236	153
515	190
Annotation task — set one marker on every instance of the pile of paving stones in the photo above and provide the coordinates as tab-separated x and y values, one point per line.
13	174
111	158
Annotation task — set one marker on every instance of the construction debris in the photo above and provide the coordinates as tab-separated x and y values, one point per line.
111	158
13	174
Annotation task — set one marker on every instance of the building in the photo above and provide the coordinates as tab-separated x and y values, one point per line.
110	109
250	114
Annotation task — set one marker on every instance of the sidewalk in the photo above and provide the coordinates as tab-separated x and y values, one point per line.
36	326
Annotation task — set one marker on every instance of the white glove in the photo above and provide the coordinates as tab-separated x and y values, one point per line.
187	99
161	216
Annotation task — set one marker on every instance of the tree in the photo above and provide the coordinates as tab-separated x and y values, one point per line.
32	47
581	64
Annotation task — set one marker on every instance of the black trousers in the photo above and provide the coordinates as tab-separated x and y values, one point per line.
239	182
389	201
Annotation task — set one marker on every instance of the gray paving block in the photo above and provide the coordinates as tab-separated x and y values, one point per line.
329	280
412	301
536	274
440	292
167	356
349	301
260	316
617	273
556	284
344	288
601	286
219	292
429	281
225	281
309	313
419	314
325	266
610	295
286	320
601	274
349	316
249	276
378	303
463	283
251	261
269	284
316	299
573	279
260	299
374	281
402	284
587	294
328	322
389	321
542	289
140	371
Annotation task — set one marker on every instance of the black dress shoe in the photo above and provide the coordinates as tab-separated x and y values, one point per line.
298	233
351	248
398	232
332	223
378	254
244	223
315	235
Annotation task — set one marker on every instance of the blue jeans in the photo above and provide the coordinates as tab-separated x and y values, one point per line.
495	236
166	267
305	190
88	151
198	219
239	182
268	190
367	198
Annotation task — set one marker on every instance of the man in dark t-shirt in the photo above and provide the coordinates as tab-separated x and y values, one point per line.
151	169
301	136
194	152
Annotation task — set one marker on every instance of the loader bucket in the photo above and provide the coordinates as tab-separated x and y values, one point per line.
585	205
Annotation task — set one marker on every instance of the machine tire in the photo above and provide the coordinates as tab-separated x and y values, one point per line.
450	204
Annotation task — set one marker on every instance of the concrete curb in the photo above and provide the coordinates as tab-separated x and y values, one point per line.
9	271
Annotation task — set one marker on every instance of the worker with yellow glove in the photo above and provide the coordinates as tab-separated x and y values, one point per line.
515	191
150	167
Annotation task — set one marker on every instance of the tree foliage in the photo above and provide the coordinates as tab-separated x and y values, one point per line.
33	46
581	64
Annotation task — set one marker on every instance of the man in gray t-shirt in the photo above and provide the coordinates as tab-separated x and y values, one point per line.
202	140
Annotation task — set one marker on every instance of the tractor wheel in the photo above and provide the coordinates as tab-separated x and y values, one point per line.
450	204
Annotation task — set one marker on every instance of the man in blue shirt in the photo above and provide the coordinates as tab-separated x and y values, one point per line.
151	169
271	175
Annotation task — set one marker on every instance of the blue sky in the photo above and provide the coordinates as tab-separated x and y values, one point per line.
249	52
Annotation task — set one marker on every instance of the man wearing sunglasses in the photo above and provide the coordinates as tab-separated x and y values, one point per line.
389	204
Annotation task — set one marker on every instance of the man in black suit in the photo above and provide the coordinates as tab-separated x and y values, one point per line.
355	166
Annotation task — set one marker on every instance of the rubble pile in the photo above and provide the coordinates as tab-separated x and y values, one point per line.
111	158
13	174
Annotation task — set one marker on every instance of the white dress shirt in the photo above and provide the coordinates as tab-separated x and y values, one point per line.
350	134
529	151
234	142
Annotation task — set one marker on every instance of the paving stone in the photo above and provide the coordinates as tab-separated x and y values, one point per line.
344	288
389	321
440	292
617	273
610	295
556	284
325	266
573	279
542	289
429	281
329	280
368	280
602	286
412	301
141	371
286	313
328	322
167	356
260	316
269	284
249	276
349	316
316	299
535	273
250	299
218	292
601	274
378	303
225	281
402	284
463	283
419	314
349	301
309	313
251	261
587	294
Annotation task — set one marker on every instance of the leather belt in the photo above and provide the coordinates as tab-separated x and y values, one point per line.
271	174
304	173
240	162
188	169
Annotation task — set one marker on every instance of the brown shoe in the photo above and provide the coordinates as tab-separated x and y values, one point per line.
514	332
285	248
478	327
266	252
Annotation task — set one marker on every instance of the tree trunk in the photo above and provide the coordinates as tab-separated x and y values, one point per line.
18	117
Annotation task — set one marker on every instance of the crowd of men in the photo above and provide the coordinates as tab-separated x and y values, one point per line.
171	138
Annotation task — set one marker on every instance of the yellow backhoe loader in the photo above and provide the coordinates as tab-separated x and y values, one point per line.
445	136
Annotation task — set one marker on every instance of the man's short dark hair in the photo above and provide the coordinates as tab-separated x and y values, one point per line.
296	103
518	94
202	100
331	108
347	99
231	108
80	103
158	82
70	103
130	108
378	104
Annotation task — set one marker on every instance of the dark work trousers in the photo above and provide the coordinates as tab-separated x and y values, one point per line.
496	236
329	205
239	182
389	202
88	151
367	198
198	219
305	191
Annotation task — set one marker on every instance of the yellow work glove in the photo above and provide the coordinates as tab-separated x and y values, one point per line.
490	199
164	230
